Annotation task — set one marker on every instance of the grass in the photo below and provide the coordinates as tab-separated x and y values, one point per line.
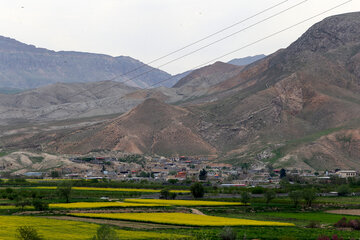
321	217
183	219
63	229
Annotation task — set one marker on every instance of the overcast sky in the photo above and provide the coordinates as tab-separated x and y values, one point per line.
148	29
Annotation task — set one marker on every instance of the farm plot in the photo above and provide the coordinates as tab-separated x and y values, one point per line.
63	229
102	205
115	189
184	219
183	202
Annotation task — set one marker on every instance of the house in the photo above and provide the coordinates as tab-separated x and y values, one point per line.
346	173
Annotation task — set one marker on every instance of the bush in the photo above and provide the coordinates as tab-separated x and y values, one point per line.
334	237
197	190
341	223
258	190
27	233
228	234
40	205
105	233
343	190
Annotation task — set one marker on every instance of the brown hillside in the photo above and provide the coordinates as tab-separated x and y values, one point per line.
151	127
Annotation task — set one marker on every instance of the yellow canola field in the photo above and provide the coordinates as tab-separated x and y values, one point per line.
116	189
184	219
63	229
183	202
101	205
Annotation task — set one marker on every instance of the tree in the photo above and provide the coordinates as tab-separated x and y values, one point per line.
203	174
165	193
269	195
282	173
64	190
245	197
295	196
197	190
309	196
40	205
343	190
27	233
105	233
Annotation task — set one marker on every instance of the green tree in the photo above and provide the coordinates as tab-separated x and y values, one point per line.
27	233
343	190
269	195
282	173
64	190
197	190
295	196
203	175
105	233
309	196
40	205
245	197
165	193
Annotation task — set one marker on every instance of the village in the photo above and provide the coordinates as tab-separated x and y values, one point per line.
183	168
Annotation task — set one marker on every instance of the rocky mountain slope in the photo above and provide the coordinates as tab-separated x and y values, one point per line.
299	107
26	66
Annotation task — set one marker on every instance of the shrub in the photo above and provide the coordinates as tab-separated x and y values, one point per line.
341	223
40	205
27	233
354	224
228	234
105	233
343	190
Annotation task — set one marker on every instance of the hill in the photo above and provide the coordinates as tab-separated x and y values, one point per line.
26	66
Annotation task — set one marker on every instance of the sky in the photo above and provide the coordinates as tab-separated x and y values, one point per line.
149	29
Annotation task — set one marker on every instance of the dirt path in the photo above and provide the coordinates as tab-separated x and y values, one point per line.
355	212
197	212
128	224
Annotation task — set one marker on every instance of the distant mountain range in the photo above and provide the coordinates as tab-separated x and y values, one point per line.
24	66
246	60
296	108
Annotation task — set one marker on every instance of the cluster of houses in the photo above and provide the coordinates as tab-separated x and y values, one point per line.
180	169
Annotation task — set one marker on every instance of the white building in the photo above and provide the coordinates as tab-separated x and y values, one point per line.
346	173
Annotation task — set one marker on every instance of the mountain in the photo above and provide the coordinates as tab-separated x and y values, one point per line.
151	127
246	60
296	108
26	66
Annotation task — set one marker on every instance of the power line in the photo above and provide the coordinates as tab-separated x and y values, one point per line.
153	69
260	40
219	40
200	40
